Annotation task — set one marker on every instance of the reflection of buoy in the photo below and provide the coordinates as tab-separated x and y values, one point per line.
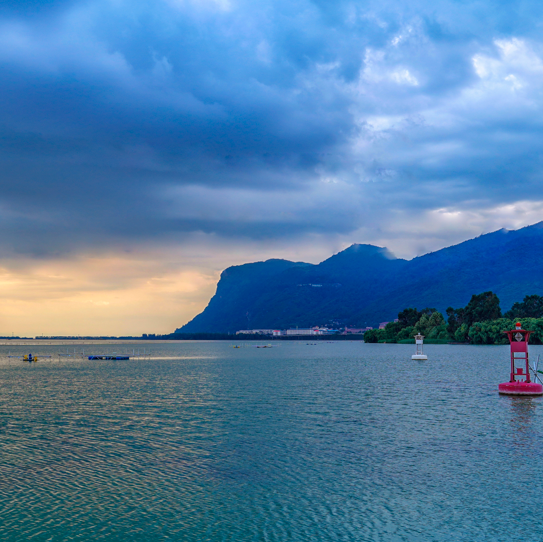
418	353
520	382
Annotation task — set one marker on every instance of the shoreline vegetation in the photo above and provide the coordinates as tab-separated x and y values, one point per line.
479	322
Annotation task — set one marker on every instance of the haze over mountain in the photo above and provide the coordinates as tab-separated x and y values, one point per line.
364	284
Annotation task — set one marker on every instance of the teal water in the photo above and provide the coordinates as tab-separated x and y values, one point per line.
203	442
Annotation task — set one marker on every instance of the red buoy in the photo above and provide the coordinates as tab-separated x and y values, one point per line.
520	382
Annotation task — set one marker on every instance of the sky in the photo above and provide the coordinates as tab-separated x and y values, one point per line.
146	146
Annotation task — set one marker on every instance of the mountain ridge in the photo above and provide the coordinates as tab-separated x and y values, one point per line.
365	284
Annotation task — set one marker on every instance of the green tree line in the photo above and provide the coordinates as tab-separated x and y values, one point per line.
479	322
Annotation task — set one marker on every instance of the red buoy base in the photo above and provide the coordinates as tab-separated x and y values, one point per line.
521	388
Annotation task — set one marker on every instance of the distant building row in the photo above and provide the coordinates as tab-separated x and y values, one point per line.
302	331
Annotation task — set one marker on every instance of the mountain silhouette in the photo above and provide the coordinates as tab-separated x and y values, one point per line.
364	284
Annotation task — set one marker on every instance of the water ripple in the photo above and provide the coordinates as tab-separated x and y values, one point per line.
345	442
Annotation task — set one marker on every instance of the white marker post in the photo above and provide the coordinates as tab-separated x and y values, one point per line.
418	353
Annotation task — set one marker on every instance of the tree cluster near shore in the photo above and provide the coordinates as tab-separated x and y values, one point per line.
479	322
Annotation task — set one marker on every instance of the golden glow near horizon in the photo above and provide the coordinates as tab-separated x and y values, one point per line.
100	296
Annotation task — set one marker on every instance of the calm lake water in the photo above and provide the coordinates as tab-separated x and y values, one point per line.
332	442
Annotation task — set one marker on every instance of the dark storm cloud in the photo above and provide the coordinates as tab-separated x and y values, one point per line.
141	120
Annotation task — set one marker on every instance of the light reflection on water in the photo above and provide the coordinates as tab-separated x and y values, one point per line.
203	442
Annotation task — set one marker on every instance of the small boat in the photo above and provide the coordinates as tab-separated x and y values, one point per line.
30	358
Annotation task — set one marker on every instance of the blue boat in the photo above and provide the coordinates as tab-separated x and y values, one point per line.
116	358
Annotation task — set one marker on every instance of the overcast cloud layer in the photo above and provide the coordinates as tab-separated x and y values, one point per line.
131	124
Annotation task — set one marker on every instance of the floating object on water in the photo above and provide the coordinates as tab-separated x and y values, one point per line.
114	358
28	357
419	339
520	382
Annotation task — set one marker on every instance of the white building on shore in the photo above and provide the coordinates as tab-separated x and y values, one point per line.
302	331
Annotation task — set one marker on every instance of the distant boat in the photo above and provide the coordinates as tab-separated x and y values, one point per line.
28	357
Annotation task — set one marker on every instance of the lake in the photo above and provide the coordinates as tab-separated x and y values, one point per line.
339	441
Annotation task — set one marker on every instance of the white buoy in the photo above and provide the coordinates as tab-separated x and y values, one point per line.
418	353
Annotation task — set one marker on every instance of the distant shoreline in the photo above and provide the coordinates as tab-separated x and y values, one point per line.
208	337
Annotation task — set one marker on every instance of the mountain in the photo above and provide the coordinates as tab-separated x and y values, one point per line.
364	284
